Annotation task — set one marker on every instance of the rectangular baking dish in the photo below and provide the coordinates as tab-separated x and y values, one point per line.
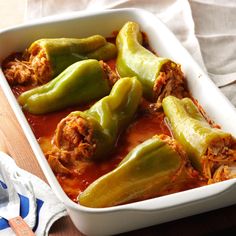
132	216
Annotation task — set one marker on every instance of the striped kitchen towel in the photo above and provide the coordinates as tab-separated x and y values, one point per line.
39	206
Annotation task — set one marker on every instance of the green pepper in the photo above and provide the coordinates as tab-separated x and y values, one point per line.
47	58
147	171
208	148
92	134
155	73
80	83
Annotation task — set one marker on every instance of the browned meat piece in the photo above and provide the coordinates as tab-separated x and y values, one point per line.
171	81
34	69
112	76
74	134
219	162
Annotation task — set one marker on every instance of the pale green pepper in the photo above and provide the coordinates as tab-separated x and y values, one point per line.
159	76
80	83
147	171
208	148
92	134
47	58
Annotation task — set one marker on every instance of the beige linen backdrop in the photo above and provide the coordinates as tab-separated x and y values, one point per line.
206	28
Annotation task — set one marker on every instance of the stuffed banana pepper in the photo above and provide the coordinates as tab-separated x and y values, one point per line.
159	76
80	83
47	58
151	169
92	134
211	150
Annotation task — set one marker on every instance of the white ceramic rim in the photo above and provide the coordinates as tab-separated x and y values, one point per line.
164	202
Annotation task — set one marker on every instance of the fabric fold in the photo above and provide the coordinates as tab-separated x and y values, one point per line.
207	29
39	206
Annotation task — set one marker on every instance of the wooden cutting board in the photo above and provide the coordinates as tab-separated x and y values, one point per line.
12	13
20	150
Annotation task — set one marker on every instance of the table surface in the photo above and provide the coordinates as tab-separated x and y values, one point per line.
220	221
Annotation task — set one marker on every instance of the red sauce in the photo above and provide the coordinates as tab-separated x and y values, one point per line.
19	89
45	125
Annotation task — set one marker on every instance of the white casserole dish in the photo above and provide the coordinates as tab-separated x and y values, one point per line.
132	216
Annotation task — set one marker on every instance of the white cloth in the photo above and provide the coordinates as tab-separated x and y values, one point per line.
206	28
215	28
39	206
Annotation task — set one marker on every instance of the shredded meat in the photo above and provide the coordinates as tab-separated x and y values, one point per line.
54	160
75	135
111	75
219	157
207	118
72	143
170	81
33	68
221	174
